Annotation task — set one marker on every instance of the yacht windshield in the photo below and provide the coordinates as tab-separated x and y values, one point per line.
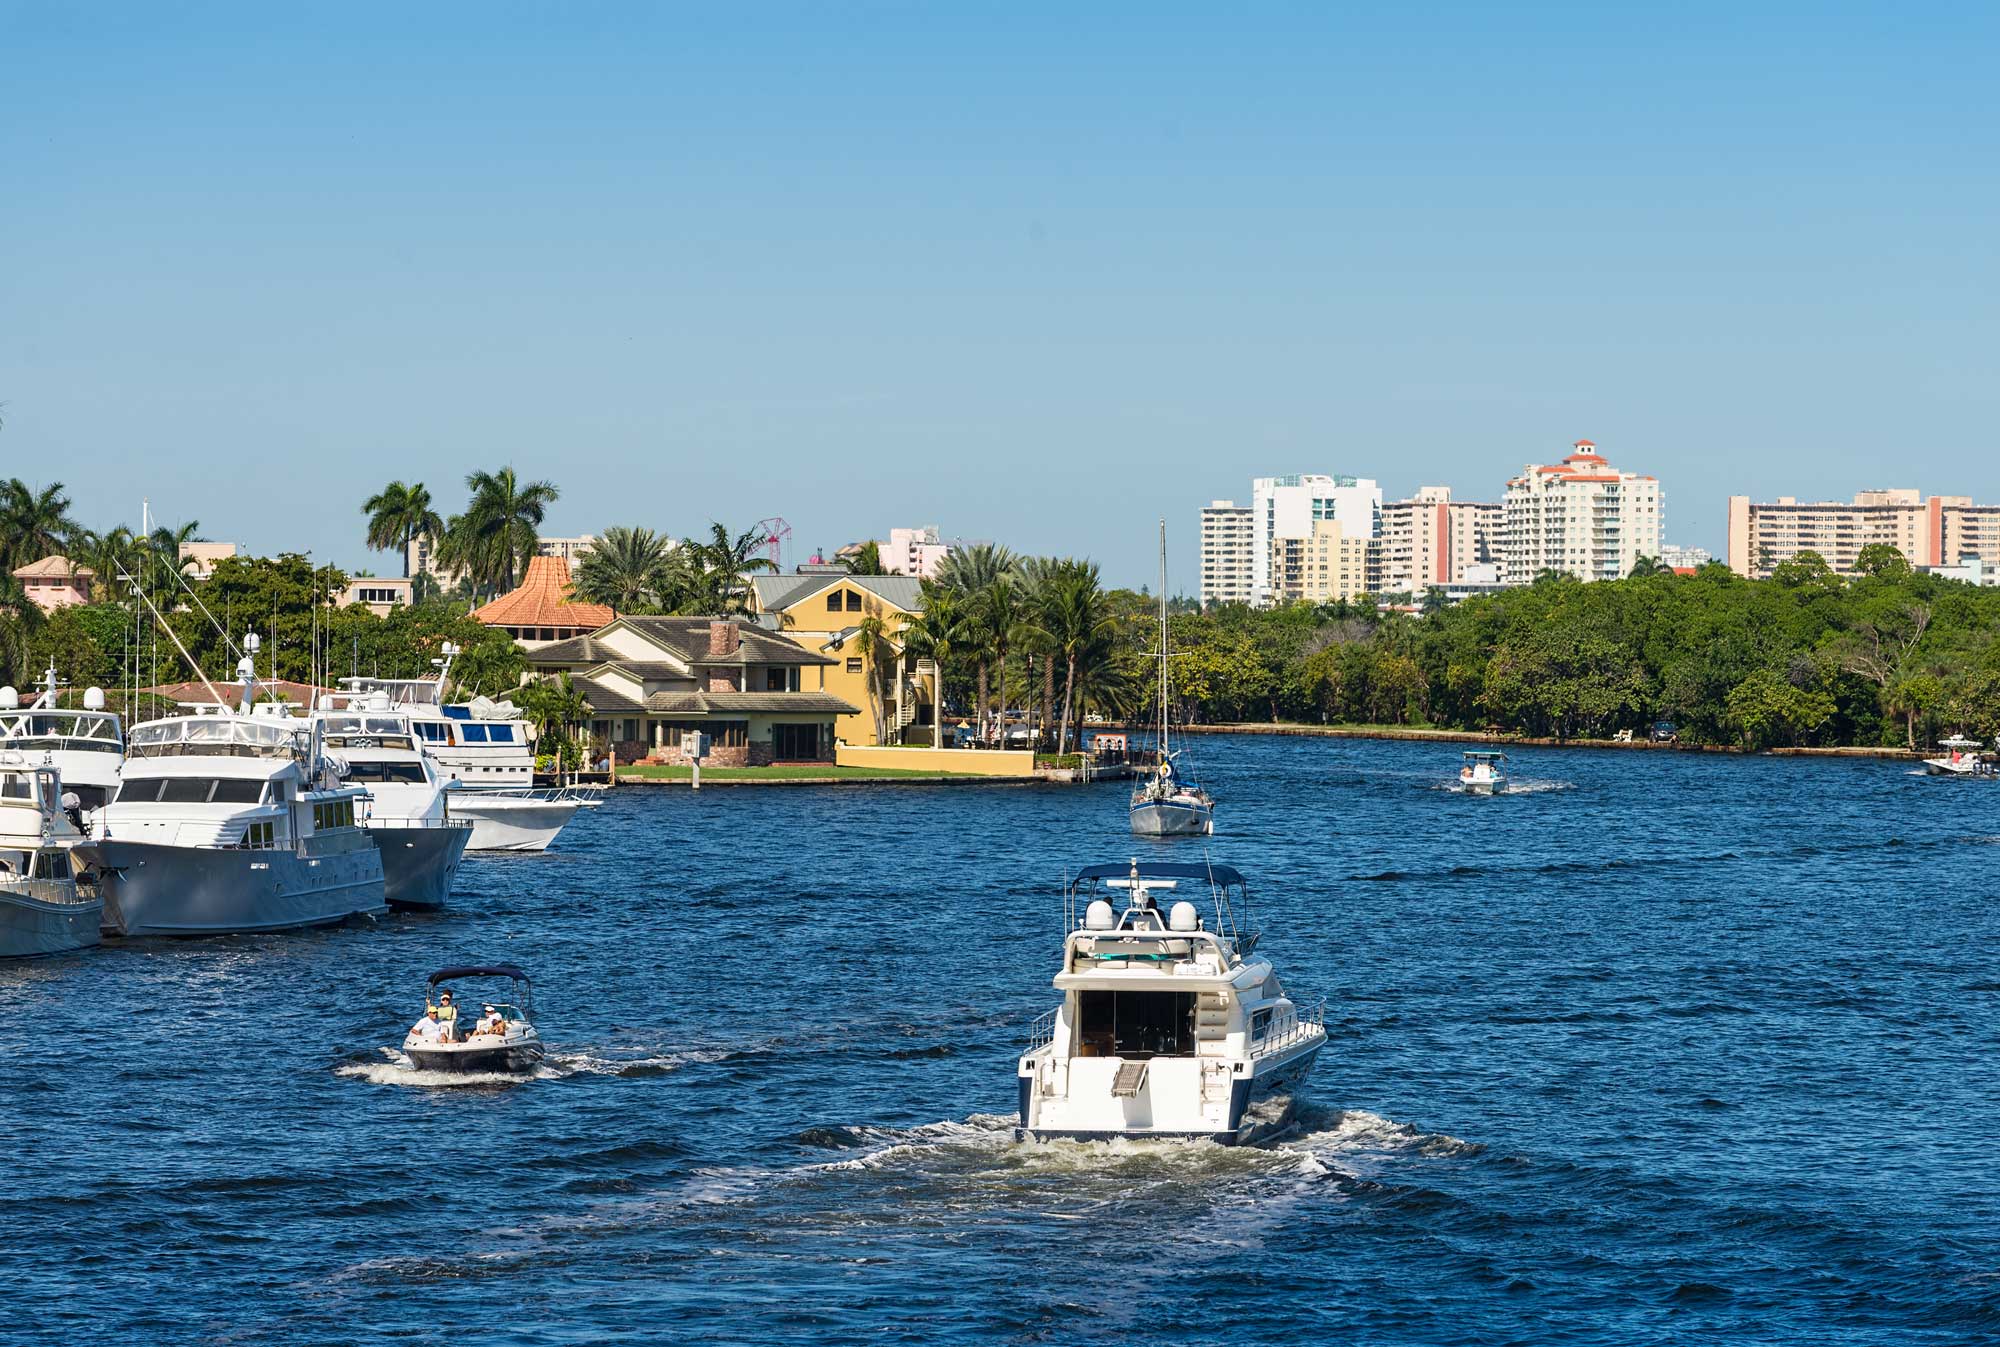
385	773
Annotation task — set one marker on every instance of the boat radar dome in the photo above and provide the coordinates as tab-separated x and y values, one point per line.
1099	916
9	699
93	699
1183	917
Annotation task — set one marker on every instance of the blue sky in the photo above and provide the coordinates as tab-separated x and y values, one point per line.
1021	272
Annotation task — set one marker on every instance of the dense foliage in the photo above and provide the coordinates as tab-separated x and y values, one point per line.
1806	657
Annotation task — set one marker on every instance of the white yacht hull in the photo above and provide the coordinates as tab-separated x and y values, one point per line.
511	822
1945	767
42	917
1186	1098
1168	818
149	889
419	864
514	1056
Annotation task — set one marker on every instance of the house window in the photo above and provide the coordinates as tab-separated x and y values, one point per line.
853	601
795	742
853	664
833	602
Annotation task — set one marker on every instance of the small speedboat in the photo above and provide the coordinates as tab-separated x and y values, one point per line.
1484	773
501	1039
1170	1025
1960	758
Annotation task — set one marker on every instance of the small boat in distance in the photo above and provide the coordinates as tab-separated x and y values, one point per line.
1960	758
1164	805
1167	1028
43	908
1483	773
502	1039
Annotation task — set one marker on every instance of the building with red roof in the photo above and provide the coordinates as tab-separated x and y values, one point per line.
1580	517
541	610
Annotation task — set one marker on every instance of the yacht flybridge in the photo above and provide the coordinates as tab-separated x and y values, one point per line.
43	909
482	748
409	815
230	822
1169	1026
86	746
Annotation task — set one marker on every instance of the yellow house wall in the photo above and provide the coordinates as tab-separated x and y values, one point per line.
965	761
810	624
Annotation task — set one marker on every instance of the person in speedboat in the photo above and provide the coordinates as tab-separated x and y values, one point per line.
428	1029
447	1015
492	1023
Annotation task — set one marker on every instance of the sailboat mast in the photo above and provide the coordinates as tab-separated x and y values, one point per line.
1163	638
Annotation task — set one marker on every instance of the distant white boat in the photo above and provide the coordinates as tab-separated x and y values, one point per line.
409	814
502	1039
1484	773
1165	804
482	748
1960	758
86	746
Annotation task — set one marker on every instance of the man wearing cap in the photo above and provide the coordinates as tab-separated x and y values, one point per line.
428	1029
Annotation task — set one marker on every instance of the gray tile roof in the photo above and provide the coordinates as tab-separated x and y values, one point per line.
782	591
710	703
686	638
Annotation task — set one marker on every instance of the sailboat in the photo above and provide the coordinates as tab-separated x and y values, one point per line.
1165	804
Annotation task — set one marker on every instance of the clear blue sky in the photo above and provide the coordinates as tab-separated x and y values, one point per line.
1023	273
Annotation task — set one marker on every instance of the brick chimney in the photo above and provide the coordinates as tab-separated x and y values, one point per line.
723	639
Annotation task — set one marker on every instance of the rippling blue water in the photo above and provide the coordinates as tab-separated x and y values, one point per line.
1678	1048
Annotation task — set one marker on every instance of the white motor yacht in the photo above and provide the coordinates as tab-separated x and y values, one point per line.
483	747
43	908
1483	773
1960	758
86	746
1169	1026
502	1038
227	822
409	814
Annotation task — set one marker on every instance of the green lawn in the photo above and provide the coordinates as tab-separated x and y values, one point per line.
661	772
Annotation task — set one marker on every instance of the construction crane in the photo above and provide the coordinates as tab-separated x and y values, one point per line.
774	532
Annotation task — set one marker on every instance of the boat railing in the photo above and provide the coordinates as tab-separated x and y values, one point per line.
578	794
1288	1028
1043	1031
43	890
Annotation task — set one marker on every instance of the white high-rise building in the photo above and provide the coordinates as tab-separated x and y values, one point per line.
1581	517
1226	543
1286	507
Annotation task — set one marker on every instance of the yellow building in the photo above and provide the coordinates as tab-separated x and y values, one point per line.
1327	566
823	613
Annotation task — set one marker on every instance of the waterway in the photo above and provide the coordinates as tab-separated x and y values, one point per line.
1668	1048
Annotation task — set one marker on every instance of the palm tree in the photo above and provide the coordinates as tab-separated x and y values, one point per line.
971	569
553	706
33	524
110	554
398	513
871	642
721	563
1037	576
939	634
998	616
164	544
630	570
1072	620
493	540
864	560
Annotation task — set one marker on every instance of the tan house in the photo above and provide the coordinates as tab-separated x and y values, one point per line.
761	698
541	611
56	582
378	594
823	613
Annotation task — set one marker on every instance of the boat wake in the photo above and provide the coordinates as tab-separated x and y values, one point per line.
396	1069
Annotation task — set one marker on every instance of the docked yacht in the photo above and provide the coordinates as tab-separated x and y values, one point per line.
1483	772
1960	758
1165	804
503	1038
86	746
230	822
482	746
43	907
409	815
1168	1027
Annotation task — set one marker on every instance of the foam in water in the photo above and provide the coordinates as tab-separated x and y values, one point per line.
400	1070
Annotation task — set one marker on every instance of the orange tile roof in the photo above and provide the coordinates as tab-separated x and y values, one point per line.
543	600
52	568
299	694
